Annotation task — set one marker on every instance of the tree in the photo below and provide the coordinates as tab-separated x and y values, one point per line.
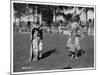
20	8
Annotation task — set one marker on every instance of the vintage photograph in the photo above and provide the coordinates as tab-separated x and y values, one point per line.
52	37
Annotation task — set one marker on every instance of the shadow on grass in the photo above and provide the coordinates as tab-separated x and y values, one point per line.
48	53
67	67
80	53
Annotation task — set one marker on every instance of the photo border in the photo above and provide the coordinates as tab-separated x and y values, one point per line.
48	3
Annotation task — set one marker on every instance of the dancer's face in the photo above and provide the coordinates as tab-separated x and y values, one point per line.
36	19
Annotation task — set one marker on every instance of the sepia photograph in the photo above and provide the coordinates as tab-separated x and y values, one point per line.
51	37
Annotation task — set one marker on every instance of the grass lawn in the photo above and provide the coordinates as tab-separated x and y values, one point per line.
55	55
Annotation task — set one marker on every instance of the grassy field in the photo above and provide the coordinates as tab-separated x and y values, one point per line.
55	55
